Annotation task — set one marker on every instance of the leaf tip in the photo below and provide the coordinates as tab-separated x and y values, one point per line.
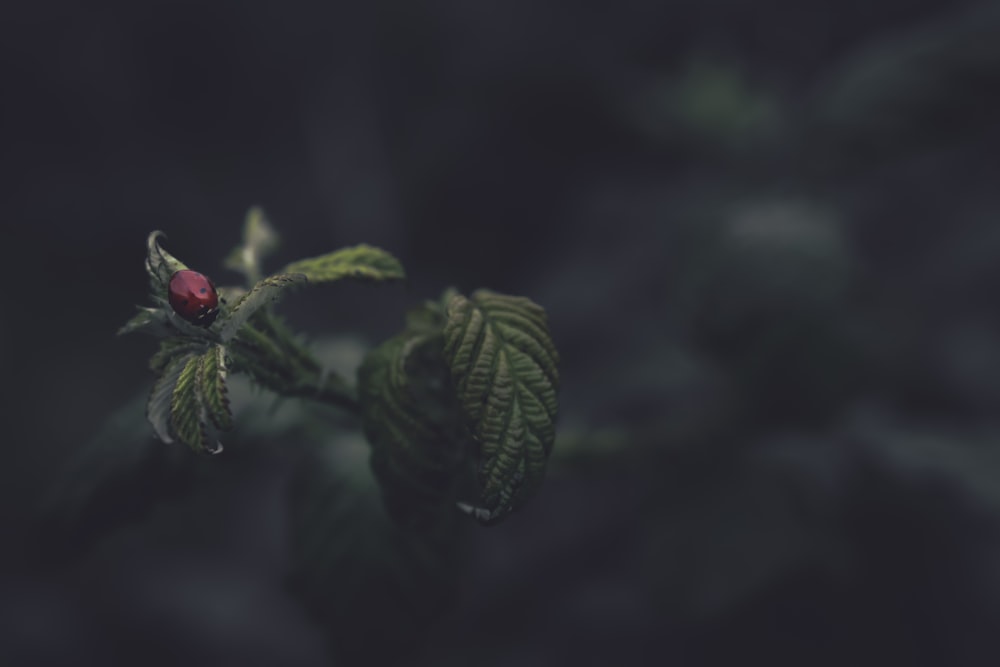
154	237
481	514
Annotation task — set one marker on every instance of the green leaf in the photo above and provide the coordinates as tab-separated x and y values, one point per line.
265	292
158	407
185	406
504	366
426	319
172	347
188	414
109	479
212	380
411	419
259	240
148	320
160	264
361	262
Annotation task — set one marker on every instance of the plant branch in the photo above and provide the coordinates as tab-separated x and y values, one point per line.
283	365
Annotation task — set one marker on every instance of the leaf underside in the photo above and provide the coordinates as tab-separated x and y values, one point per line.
411	420
505	370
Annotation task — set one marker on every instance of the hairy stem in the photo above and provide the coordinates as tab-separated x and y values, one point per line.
279	362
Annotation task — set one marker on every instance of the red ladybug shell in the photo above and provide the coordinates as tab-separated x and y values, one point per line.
193	297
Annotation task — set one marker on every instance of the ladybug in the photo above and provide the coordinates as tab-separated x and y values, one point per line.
193	296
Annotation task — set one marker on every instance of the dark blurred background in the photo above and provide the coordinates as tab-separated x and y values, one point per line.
766	235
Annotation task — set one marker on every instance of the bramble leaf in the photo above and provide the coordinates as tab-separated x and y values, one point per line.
188	415
170	348
212	381
504	366
412	421
265	292
259	240
158	407
360	262
111	478
160	264
426	319
148	320
190	393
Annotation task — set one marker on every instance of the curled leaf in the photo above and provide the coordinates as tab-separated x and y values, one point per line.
160	264
361	262
505	370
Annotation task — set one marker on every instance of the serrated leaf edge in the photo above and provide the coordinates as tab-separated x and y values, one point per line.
212	380
265	292
358	262
500	494
158	406
186	411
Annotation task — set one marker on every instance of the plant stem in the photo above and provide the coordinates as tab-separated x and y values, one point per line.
280	363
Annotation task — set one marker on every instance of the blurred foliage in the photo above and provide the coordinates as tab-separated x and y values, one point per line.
350	564
921	90
374	586
710	105
113	477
